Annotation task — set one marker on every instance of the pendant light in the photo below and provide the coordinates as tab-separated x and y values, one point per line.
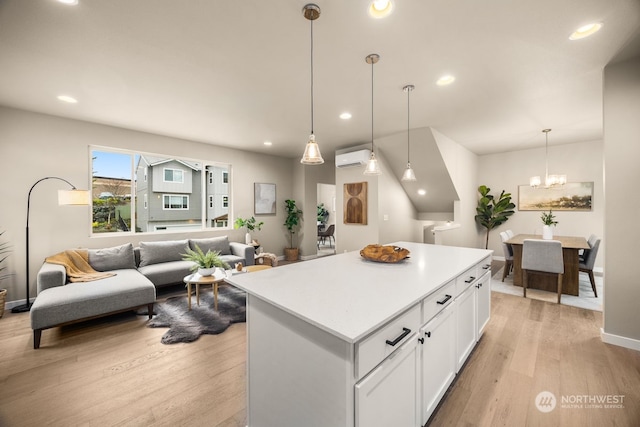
409	174
372	165
311	154
550	181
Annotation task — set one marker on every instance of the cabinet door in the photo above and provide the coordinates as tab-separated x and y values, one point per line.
465	325
483	291
438	359
388	395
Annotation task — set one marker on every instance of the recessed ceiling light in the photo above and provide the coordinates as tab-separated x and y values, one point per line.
445	80
345	116
380	8
69	2
585	31
268	143
67	99
422	192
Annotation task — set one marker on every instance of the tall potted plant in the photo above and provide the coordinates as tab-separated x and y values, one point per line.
490	212
548	219
292	222
251	224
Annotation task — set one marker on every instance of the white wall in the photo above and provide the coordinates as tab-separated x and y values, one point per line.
622	233
581	162
36	145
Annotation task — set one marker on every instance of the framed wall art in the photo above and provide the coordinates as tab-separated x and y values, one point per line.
355	203
264	198
573	196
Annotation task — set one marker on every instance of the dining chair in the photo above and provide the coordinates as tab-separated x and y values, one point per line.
585	252
508	255
586	265
328	233
509	233
543	257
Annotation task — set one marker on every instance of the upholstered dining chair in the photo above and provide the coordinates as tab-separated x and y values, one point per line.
585	252
544	257
586	265
328	233
509	233
508	255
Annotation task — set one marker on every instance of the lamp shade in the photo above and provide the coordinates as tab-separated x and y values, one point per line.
311	155
73	197
372	166
409	174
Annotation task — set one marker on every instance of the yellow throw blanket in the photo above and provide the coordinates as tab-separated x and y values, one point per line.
76	263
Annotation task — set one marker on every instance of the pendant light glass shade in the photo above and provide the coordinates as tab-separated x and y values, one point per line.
372	167
409	174
311	154
550	181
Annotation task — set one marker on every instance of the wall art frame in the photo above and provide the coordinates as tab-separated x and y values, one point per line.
355	203
264	198
573	196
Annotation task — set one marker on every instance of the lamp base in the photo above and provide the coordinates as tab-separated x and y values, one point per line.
22	308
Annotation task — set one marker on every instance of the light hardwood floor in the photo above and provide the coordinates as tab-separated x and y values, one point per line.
115	371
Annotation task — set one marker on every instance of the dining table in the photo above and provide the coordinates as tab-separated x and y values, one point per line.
571	246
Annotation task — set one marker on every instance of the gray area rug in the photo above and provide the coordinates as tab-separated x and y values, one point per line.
187	326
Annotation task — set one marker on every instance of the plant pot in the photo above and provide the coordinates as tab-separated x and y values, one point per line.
291	254
547	232
207	271
247	238
3	297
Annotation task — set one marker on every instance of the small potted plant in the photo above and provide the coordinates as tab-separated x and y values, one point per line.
292	222
205	263
548	219
251	224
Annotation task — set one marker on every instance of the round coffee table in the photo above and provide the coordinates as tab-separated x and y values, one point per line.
196	279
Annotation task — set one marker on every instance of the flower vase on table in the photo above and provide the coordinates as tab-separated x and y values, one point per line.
547	232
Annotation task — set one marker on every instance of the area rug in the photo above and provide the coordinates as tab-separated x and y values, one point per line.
187	326
586	299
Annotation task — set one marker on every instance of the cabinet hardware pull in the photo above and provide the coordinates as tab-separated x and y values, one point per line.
486	266
428	334
470	279
421	340
479	285
444	300
406	332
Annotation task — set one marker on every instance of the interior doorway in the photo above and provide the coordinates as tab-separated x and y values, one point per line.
326	219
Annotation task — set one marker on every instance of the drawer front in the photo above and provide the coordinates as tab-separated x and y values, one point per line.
465	280
484	266
437	301
380	344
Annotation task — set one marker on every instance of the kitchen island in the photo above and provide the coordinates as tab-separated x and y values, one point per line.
341	341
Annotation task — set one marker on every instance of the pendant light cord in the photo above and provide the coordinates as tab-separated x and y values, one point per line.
372	62
408	112
311	76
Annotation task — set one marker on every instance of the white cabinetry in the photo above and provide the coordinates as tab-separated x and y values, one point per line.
438	359
466	329
483	303
388	396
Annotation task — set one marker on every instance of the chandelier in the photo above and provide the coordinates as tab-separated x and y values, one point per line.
550	181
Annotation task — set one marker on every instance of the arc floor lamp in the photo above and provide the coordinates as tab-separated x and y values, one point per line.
65	197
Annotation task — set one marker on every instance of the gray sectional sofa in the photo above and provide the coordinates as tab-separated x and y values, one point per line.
137	273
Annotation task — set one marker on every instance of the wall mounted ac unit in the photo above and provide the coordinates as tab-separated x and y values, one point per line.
353	158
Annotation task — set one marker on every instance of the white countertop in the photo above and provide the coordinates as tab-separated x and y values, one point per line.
350	297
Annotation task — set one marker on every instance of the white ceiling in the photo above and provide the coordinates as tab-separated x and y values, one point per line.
237	73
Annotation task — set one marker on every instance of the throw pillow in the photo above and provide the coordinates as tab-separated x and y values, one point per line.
115	258
157	252
220	244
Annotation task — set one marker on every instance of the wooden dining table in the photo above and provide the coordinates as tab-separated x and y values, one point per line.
570	247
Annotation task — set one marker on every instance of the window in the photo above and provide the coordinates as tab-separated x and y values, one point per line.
173	175
152	193
175	201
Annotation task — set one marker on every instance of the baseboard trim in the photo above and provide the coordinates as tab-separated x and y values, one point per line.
620	341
